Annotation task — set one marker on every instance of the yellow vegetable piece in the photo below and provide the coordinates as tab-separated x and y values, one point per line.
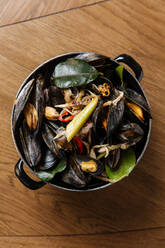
136	109
80	119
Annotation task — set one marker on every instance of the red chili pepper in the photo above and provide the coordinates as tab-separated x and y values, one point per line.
65	119
79	144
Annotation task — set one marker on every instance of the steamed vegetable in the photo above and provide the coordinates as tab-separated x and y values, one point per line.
80	119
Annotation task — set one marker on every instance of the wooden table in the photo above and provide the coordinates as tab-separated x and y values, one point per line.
128	214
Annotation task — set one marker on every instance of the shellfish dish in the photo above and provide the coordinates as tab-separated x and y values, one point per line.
81	123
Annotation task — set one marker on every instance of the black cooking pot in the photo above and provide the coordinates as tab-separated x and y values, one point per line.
47	68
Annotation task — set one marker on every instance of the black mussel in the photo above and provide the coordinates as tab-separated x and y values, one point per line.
96	114
48	136
113	158
21	102
137	105
74	176
56	140
88	164
31	146
34	108
114	118
130	116
139	100
48	160
61	141
131	133
93	58
55	95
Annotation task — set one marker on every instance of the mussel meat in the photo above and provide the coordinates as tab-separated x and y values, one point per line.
31	116
88	164
51	113
34	108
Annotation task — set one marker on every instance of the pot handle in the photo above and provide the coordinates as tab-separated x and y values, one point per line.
25	179
128	60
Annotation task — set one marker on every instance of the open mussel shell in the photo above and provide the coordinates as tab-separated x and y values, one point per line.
131	133
133	96
48	160
34	108
92	58
74	176
21	102
58	146
60	141
48	136
114	118
88	164
30	102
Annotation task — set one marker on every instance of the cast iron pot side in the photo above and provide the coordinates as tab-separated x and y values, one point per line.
47	68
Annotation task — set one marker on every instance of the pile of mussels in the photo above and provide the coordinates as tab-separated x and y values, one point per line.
80	124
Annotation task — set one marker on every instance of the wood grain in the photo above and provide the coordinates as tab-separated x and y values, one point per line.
22	10
141	239
138	202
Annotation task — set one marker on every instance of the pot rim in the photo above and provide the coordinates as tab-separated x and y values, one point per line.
27	79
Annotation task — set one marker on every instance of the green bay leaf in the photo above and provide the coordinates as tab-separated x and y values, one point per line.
126	165
73	73
49	175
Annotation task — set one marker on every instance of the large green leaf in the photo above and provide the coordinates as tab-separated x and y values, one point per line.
73	72
126	165
48	175
119	70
